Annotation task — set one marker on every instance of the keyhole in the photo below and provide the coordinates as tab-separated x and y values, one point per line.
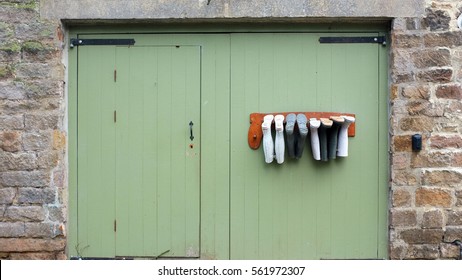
191	146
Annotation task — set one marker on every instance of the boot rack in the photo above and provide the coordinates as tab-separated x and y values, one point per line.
255	133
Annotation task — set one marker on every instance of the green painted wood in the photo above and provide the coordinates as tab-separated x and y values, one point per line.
305	209
96	152
158	94
219	141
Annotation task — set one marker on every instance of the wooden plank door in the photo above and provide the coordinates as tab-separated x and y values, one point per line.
138	168
96	152
305	209
157	162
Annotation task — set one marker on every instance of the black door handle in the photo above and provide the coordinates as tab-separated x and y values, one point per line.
191	130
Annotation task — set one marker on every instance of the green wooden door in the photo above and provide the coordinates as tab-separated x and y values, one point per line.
138	169
306	209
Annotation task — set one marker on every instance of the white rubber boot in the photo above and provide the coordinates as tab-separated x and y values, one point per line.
315	148
268	145
342	150
279	145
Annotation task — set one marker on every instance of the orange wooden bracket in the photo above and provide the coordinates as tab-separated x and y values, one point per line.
256	119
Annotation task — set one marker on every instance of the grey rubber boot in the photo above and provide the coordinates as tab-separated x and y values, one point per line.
315	147
322	130
290	125
342	150
333	136
303	132
279	146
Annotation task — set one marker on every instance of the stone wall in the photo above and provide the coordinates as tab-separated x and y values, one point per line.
426	93
32	139
425	96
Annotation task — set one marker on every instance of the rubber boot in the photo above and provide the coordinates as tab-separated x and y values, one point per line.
279	145
322	130
302	133
290	125
333	136
268	145
343	136
315	149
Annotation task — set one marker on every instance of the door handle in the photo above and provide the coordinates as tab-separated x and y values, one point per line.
191	135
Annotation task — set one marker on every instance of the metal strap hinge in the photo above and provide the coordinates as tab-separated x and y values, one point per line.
352	40
101	42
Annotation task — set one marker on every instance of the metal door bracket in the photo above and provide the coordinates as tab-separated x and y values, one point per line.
101	42
353	40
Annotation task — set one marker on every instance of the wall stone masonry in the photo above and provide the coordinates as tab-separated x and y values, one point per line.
425	97
425	72
32	223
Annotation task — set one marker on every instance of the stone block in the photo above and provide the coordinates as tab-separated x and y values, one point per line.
452	233
445	142
42	121
437	20
441	178
433	197
11	230
32	244
10	141
396	251
47	159
25	213
439	75
401	198
37	141
430	159
36	196
449	251
416	92
401	143
59	140
433	219
423	252
454	218
25	179
32	256
46	88
34	71
7	195
431	58
35	230
418	124
404	178
12	90
417	107
57	213
406	41
403	218
443	39
13	122
422	236
17	161
449	91
400	161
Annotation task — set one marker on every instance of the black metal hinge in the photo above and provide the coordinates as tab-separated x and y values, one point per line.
352	40
101	42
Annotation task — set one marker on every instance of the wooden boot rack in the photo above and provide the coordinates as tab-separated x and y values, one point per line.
256	119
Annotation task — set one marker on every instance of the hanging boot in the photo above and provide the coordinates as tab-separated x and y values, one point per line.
322	131
333	136
290	125
314	125
279	146
268	145
302	133
343	136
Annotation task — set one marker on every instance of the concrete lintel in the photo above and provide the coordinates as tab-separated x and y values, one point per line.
227	9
